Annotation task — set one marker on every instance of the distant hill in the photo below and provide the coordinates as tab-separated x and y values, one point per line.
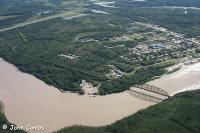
178	114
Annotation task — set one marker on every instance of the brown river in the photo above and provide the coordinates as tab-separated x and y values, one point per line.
30	102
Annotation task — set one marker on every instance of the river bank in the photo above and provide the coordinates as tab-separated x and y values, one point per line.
29	101
186	78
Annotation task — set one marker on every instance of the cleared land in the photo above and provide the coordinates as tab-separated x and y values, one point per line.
40	20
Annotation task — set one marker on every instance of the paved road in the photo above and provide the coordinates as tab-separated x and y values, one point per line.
39	20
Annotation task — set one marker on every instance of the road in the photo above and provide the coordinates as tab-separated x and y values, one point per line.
39	20
159	28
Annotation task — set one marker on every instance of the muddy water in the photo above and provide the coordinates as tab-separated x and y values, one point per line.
188	78
29	101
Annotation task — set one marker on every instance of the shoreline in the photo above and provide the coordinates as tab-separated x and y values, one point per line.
35	103
183	77
27	93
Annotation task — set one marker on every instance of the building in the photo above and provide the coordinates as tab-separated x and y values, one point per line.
157	46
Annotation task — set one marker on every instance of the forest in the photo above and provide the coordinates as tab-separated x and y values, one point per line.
43	49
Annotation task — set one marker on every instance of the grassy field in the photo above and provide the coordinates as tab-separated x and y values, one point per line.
178	114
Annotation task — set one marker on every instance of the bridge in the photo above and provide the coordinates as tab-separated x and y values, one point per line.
144	96
148	93
153	89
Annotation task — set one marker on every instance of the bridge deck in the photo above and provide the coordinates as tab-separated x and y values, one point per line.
145	97
153	89
148	93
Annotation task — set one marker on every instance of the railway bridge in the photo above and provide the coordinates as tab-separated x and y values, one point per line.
153	89
149	93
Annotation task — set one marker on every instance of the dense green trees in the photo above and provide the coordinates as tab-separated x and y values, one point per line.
140	76
172	19
35	48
